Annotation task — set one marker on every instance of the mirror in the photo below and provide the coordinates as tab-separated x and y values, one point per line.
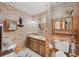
65	23
10	25
56	25
68	23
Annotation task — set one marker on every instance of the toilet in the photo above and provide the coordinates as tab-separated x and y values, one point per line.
60	54
61	47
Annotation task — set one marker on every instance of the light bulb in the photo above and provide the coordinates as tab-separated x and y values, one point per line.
32	21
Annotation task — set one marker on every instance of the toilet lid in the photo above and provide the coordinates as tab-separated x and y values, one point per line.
60	54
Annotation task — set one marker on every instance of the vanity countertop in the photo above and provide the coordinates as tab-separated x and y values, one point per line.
40	37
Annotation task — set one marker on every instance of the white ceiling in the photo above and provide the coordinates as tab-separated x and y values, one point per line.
31	8
34	8
63	4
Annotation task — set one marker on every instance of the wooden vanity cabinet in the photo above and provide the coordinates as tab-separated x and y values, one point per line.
36	45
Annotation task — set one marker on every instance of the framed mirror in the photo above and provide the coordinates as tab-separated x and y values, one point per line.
67	23
64	23
56	25
10	25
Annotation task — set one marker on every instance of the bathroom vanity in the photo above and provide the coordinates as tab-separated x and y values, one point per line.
36	43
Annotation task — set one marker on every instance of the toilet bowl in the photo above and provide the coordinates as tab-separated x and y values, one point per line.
60	54
61	47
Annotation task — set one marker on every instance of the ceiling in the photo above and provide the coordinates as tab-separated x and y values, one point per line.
34	8
61	4
31	8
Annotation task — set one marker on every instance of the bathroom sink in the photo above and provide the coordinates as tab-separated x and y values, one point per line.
40	37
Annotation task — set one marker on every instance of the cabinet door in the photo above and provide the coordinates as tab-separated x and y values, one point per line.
27	42
34	45
77	45
37	46
63	24
42	49
40	52
31	43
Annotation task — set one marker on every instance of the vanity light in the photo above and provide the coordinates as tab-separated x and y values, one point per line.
44	20
32	22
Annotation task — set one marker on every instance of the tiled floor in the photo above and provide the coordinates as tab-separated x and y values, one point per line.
26	52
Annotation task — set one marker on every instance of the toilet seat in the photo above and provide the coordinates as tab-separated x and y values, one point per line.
60	54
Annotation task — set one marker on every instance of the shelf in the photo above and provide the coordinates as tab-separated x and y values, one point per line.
20	25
